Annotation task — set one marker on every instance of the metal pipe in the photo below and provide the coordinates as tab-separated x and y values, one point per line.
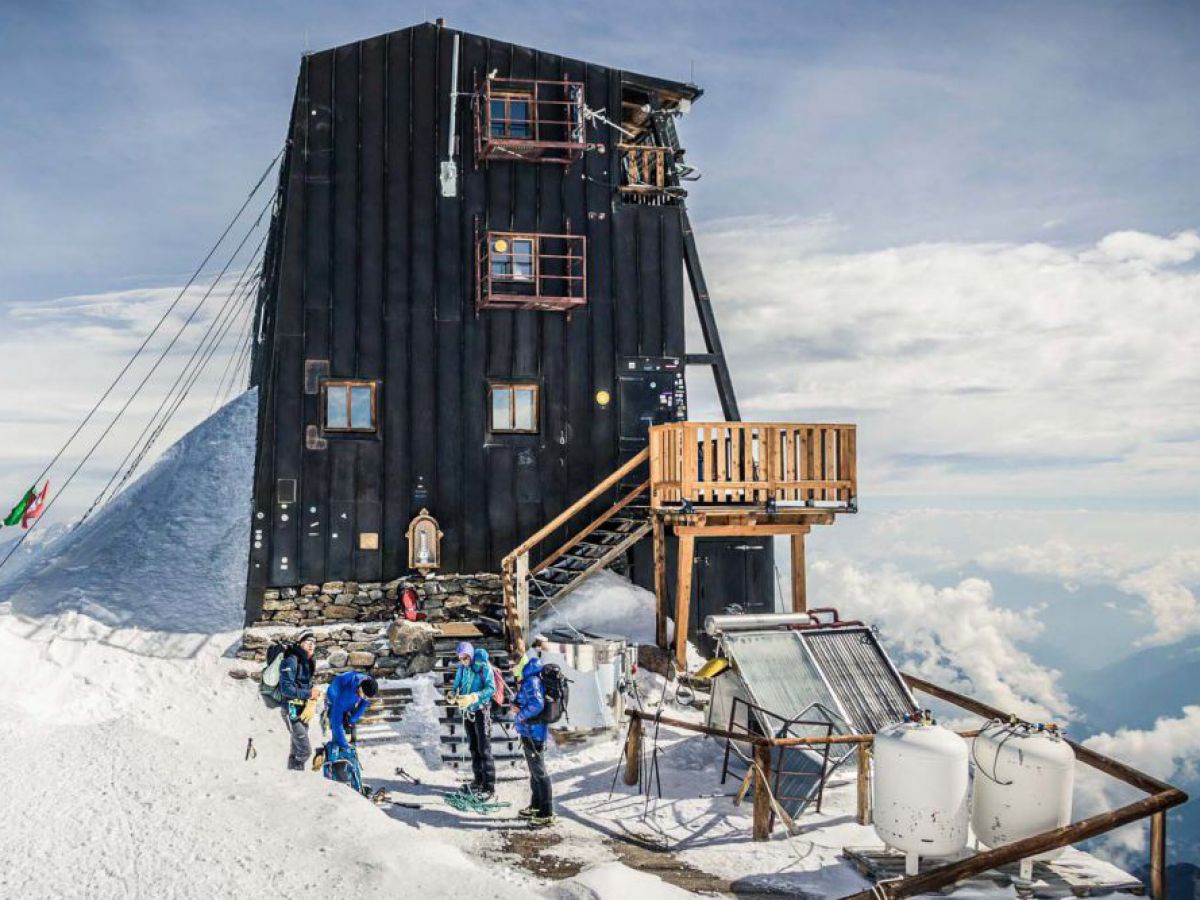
713	625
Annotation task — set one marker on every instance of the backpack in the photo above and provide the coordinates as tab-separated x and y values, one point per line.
269	684
501	688
556	690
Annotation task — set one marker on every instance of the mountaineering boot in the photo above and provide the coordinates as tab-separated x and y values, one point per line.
528	812
484	796
469	787
537	821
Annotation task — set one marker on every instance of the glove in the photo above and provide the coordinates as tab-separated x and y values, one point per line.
466	700
310	710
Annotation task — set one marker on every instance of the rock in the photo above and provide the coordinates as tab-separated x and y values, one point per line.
654	659
420	664
406	637
276	605
359	646
271	595
375	594
247	654
457	601
288	593
333	611
332	588
337	658
361	659
240	674
286	617
309	589
350	587
388	662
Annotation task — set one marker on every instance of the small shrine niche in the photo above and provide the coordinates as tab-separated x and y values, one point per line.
424	543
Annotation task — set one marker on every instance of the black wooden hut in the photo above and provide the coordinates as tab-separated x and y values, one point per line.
473	302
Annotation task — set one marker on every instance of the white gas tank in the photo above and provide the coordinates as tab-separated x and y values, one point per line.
921	789
1024	779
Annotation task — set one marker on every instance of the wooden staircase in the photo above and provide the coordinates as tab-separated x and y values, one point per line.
602	542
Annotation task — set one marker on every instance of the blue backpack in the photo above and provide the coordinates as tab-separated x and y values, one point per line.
341	764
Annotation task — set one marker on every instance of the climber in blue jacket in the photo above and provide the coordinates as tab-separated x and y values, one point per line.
346	702
527	710
474	687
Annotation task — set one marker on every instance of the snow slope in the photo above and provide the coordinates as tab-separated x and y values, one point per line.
169	553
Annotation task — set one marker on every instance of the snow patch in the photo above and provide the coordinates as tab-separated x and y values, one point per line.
170	552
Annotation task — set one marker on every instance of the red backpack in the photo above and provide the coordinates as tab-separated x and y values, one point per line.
498	696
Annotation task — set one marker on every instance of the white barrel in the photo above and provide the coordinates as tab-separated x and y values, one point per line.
1024	779
921	789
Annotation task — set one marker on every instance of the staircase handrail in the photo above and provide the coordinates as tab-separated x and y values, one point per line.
593	525
571	511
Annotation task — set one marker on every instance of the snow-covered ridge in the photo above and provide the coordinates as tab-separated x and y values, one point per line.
169	553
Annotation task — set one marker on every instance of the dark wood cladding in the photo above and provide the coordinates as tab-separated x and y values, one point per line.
372	270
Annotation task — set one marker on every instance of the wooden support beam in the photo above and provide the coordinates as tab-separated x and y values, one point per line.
799	575
1158	856
683	598
660	583
864	784
762	793
633	752
748	530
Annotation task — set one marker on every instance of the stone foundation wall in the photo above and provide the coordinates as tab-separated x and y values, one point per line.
442	598
384	649
361	627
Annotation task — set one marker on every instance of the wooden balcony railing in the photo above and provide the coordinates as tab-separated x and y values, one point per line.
753	463
645	167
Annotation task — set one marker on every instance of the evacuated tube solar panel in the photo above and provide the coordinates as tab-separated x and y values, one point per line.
856	668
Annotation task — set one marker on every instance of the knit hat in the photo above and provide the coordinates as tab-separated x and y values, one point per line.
306	635
464	648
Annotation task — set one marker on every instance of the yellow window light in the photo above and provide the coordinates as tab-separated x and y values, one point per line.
603	398
500	245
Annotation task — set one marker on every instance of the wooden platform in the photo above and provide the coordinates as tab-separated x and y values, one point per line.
463	630
1073	874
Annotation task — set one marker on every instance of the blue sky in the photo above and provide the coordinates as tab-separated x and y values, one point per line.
137	126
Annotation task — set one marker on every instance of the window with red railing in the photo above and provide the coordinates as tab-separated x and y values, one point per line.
530	271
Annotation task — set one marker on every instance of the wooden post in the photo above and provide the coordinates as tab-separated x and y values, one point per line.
762	793
522	588
864	784
1158	856
683	598
660	583
799	575
633	752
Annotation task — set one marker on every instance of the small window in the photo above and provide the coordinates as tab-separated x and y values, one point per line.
514	408
349	406
511	115
514	258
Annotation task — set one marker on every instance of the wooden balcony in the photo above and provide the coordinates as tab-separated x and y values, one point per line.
793	467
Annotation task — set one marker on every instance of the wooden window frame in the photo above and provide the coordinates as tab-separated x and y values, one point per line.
507	98
512	387
349	383
512	239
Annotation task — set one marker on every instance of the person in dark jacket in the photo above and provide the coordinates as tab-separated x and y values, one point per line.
346	702
296	687
474	686
527	707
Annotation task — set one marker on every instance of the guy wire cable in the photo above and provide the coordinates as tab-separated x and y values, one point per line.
174	303
100	499
121	411
167	399
207	348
